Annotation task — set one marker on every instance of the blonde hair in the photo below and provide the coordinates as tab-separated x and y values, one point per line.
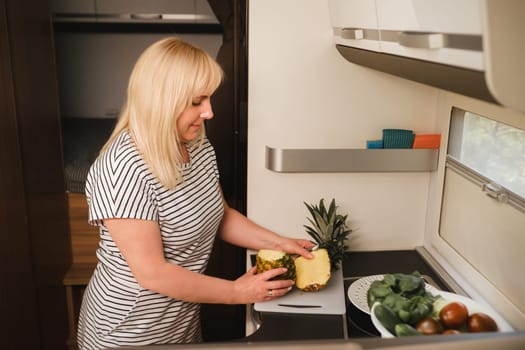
164	81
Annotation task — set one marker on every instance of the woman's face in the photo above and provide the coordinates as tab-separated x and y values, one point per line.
191	120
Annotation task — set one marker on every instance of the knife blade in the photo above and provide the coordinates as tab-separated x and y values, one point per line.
299	306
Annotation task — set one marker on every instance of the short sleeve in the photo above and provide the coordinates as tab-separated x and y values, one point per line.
119	186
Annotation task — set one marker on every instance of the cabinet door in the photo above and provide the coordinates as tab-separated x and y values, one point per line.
77	7
444	16
355	23
443	31
175	10
73	11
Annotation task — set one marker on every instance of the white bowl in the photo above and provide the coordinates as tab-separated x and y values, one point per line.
471	305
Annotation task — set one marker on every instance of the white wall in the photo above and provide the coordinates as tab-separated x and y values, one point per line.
303	94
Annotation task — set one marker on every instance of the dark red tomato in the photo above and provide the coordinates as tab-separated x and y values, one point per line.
429	326
453	315
480	322
451	331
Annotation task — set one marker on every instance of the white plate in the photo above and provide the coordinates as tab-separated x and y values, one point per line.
471	305
359	288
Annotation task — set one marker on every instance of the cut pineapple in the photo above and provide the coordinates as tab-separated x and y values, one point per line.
267	259
313	275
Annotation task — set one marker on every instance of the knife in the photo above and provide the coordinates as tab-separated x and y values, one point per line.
299	306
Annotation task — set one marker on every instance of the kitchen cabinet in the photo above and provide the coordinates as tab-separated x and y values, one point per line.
438	43
355	23
134	11
33	217
505	52
77	7
442	31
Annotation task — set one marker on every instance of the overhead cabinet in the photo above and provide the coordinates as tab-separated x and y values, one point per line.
471	47
435	42
177	11
355	23
441	31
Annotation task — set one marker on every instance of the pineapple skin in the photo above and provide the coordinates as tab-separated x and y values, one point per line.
313	275
264	261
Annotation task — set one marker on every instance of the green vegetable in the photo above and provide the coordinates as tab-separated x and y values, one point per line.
387	318
438	305
420	307
403	330
377	292
411	284
404	298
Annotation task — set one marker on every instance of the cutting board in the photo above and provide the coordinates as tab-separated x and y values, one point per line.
328	301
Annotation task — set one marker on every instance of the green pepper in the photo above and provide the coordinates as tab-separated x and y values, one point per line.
387	318
403	330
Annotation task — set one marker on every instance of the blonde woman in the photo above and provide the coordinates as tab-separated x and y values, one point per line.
154	193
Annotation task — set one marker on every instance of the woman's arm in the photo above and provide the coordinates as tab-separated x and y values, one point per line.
140	243
237	229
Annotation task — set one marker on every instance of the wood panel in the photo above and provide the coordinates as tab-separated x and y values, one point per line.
41	202
19	320
84	237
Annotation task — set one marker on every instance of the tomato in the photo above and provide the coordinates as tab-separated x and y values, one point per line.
451	331
429	326
480	322
453	315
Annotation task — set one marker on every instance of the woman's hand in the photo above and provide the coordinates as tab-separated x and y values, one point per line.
253	287
295	246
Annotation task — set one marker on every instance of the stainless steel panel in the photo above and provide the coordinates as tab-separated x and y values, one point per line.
350	160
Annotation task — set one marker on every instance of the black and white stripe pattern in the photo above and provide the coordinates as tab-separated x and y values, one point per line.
116	311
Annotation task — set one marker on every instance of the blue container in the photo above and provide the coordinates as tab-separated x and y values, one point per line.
371	144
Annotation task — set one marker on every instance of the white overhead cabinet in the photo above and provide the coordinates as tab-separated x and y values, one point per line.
355	23
115	11
505	51
442	31
471	47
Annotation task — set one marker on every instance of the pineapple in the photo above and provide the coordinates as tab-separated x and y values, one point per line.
312	275
329	230
267	259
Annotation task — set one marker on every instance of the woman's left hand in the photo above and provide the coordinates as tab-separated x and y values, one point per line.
296	246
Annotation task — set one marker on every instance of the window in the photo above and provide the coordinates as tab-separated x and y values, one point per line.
491	149
483	207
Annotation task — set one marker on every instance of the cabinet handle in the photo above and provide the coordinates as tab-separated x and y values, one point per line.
422	40
352	33
146	16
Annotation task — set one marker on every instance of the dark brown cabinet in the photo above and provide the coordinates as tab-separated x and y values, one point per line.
33	219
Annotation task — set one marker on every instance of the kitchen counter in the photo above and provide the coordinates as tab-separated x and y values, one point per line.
336	332
506	341
355	326
279	326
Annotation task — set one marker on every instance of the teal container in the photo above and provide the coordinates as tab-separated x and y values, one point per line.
398	138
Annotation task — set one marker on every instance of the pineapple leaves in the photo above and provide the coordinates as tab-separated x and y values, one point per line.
328	229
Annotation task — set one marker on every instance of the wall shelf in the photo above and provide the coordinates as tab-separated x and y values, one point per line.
350	160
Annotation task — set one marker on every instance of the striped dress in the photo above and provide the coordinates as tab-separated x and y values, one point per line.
116	310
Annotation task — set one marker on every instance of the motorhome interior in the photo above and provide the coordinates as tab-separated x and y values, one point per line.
312	87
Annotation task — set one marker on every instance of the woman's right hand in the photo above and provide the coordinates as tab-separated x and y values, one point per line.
253	287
